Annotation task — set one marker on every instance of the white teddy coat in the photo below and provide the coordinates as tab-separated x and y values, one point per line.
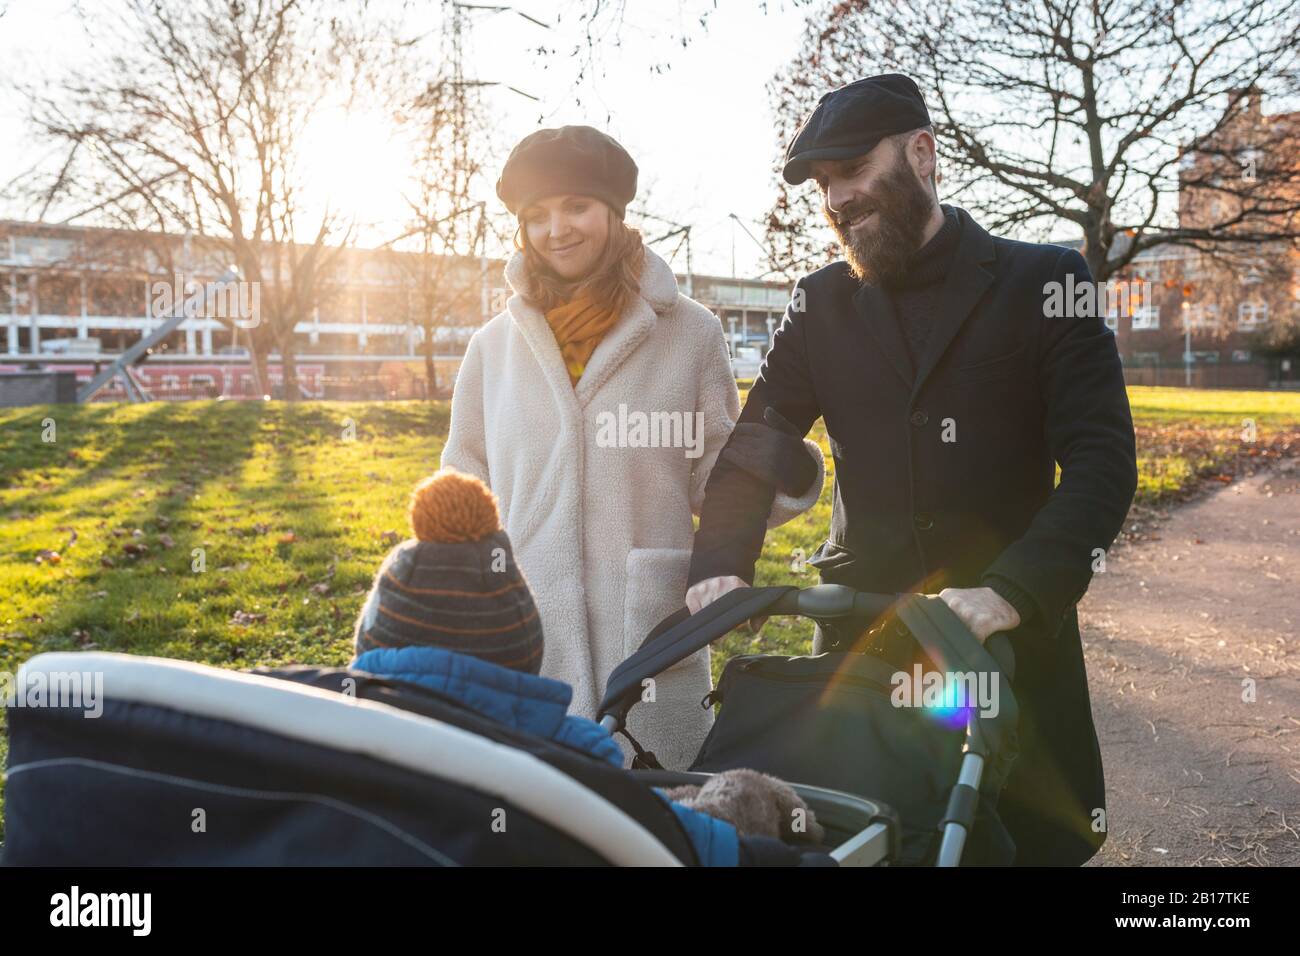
603	534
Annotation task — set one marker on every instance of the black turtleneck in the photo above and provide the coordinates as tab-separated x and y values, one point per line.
916	294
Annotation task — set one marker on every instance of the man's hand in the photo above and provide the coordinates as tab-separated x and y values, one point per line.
703	593
982	610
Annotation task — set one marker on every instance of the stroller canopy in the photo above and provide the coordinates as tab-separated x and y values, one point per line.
189	764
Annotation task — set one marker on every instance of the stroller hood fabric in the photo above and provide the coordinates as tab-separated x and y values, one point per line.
535	705
156	781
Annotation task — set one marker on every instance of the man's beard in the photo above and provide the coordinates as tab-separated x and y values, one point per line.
880	254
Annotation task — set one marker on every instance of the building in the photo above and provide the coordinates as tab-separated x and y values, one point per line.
1208	317
76	298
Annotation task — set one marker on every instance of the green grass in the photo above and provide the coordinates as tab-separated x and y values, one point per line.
291	513
1184	435
1164	405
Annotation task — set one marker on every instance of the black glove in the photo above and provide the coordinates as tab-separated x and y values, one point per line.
773	453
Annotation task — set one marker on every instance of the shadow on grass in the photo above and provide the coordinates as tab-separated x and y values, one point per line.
196	461
163	433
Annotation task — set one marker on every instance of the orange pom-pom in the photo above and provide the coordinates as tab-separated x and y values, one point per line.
449	506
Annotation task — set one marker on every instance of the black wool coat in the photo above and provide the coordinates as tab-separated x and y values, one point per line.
945	477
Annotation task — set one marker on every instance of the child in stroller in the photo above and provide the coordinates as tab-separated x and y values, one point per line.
193	765
451	612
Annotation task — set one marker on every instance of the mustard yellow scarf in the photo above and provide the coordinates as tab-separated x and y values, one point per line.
579	326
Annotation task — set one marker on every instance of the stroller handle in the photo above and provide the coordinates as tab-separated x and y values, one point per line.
829	601
682	634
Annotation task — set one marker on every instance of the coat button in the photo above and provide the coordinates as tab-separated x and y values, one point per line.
923	520
919	418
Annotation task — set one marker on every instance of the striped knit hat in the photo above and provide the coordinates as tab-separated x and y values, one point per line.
455	585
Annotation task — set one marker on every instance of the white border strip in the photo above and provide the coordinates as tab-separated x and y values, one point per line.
420	744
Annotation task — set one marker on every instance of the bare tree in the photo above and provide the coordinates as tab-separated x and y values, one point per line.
1099	113
192	122
445	233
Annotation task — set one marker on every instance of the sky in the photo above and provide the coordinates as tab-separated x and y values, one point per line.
701	131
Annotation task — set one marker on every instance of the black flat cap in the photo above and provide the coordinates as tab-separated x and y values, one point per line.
570	160
850	122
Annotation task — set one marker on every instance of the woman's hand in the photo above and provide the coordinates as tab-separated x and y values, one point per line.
703	593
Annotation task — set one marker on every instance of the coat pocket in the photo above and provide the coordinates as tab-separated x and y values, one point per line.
655	588
986	371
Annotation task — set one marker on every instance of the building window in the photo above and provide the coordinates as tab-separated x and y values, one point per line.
1252	314
1241	355
1146	319
1201	315
1147	270
1205	358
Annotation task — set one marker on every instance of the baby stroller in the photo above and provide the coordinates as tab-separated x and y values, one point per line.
833	720
183	764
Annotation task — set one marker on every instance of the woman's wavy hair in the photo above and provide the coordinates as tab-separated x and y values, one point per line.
614	280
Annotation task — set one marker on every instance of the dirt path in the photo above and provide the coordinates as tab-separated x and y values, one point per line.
1171	630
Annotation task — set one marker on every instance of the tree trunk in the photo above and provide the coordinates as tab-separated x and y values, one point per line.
430	366
289	370
1094	253
261	373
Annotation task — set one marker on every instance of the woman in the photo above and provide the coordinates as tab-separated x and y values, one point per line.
594	406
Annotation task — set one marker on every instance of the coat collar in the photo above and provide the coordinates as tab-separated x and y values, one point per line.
967	280
528	702
656	298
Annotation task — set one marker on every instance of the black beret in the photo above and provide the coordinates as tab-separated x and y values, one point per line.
575	160
850	122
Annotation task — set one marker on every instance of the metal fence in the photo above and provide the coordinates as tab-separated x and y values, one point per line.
1258	374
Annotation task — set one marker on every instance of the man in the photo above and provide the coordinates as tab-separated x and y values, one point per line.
949	393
